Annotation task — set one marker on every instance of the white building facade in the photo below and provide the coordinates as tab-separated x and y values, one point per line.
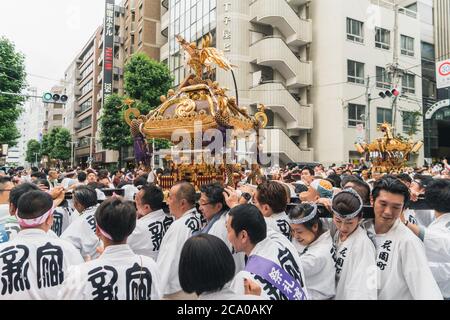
353	45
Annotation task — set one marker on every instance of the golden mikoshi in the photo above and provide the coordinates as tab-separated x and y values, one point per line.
197	99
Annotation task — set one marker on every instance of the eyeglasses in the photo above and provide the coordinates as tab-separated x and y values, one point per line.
5	190
204	204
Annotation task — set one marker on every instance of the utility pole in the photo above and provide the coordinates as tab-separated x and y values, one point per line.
368	99
394	70
91	150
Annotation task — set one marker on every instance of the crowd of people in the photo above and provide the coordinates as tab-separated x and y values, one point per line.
263	239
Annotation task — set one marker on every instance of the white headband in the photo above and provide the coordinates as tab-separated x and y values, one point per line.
308	217
351	215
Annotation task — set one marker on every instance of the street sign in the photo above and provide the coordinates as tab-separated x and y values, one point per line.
443	74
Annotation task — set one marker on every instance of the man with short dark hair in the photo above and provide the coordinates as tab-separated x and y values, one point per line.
271	200
215	210
181	203
152	223
34	264
307	175
402	267
81	232
272	263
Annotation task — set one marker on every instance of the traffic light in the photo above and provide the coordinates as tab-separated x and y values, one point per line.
389	93
49	97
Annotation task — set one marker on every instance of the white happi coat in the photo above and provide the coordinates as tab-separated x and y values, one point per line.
279	222
355	267
12	228
149	232
34	265
118	274
437	249
62	218
318	266
279	250
219	229
170	250
81	233
402	267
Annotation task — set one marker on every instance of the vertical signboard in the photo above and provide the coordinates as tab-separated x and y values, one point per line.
108	51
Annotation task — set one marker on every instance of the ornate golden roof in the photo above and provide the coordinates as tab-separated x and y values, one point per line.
196	100
388	153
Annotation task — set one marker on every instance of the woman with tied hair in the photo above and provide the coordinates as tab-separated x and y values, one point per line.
353	251
316	260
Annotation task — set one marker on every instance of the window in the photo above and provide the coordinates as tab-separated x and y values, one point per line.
86	105
86	122
86	88
57	117
382	38
140	37
356	114
355	72
132	39
384	79
407	46
355	30
133	16
384	115
87	70
409	122
408	83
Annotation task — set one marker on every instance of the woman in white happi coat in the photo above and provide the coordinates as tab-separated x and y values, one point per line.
119	273
207	267
34	264
436	237
353	251
402	267
273	266
316	259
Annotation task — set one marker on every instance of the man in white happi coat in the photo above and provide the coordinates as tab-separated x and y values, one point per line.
81	232
12	226
402	267
152	223
271	199
119	273
181	203
436	237
34	264
215	211
273	262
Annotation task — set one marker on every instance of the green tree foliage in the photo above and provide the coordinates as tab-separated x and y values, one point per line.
12	80
55	144
146	80
115	133
61	147
33	147
45	145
